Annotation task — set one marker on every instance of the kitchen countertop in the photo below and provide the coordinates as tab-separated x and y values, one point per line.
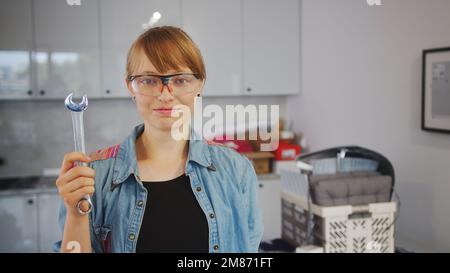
27	185
37	184
268	176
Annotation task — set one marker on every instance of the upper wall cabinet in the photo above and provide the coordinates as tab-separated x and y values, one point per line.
16	46
121	23
271	47
216	28
50	48
67	48
250	47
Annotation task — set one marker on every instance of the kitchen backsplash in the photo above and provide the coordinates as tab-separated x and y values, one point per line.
35	134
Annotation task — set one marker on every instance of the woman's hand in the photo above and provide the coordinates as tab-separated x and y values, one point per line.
74	182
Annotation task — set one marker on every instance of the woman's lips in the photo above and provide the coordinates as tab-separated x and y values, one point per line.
165	111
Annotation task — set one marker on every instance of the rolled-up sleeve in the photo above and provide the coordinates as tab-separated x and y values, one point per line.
250	190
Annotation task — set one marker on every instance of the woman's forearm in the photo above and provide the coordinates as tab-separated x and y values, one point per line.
76	237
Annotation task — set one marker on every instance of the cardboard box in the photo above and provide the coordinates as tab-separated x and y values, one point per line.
262	161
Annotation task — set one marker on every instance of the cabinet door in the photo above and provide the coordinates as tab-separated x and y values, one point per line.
67	48
270	202
216	27
15	49
121	23
19	223
271	47
49	231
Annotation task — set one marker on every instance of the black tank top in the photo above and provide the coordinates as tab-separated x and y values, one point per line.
173	219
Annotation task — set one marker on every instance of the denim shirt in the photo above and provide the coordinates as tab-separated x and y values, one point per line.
223	182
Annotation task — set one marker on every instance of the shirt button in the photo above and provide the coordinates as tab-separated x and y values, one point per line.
211	215
140	203
131	237
199	188
216	247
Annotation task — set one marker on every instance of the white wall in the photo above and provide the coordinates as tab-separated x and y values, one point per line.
361	84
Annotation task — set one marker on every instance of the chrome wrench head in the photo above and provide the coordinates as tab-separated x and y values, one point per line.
76	107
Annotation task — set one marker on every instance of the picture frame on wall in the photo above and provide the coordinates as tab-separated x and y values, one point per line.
436	90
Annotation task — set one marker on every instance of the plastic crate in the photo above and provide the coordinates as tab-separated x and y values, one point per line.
339	229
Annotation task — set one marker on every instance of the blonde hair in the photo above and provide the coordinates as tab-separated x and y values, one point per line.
167	48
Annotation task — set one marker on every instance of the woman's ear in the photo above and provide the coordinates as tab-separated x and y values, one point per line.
200	88
130	89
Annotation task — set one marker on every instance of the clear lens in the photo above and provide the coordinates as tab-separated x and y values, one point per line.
153	85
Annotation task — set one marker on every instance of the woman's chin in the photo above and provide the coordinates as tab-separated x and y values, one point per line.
163	123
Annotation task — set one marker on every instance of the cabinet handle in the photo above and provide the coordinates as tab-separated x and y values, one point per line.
30	201
108	91
42	92
30	92
249	89
261	185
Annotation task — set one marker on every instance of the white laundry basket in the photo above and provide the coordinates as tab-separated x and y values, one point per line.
338	229
341	228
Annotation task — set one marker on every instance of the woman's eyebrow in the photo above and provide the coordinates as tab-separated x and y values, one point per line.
168	74
149	72
162	74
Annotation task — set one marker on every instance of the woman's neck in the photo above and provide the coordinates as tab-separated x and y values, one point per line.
159	156
158	145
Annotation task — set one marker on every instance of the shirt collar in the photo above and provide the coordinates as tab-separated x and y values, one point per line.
126	162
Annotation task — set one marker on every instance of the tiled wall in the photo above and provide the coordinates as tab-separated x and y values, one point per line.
36	134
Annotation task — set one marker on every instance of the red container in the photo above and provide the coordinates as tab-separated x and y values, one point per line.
287	151
241	146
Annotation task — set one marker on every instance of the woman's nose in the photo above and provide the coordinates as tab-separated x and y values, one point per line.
166	95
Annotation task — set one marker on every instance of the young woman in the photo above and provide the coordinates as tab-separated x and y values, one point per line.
154	192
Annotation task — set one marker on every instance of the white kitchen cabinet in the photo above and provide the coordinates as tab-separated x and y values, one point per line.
66	57
271	31
19	223
49	231
216	26
250	47
29	221
121	23
16	46
270	203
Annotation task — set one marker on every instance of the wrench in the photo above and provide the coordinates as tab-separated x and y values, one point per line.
84	205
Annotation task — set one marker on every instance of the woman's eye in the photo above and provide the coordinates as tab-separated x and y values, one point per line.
148	81
181	81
